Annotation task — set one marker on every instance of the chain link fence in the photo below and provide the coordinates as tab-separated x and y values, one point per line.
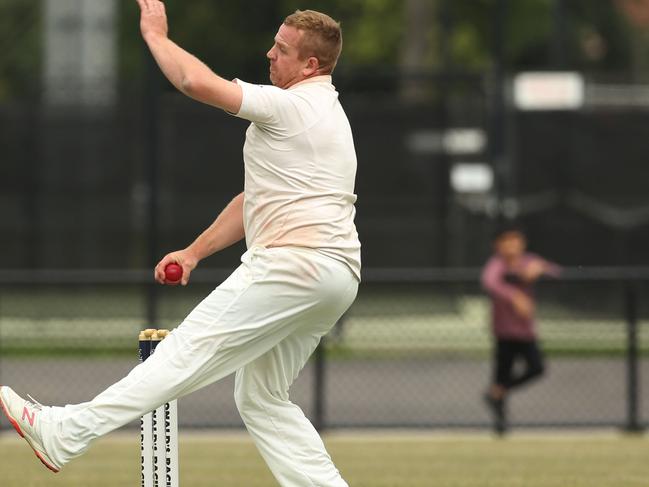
413	351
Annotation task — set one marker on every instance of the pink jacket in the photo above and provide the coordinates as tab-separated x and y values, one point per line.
502	283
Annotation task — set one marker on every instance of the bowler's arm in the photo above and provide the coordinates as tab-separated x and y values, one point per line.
186	72
226	230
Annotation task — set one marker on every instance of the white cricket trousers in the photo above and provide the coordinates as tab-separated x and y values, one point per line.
263	322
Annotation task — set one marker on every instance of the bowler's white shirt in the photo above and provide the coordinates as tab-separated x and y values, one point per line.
300	169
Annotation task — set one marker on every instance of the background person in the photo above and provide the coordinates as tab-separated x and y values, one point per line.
509	277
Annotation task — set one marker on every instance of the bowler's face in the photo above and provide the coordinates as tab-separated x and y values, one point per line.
285	65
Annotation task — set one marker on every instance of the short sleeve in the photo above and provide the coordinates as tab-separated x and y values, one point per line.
262	104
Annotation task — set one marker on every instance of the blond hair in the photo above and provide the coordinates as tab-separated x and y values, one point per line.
323	38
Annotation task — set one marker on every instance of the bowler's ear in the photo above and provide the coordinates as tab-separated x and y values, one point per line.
312	66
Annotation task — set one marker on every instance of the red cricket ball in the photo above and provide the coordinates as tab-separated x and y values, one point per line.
173	272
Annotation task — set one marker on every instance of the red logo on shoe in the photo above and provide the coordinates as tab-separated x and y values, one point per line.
30	417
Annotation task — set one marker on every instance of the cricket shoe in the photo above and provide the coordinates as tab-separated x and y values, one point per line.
25	418
497	408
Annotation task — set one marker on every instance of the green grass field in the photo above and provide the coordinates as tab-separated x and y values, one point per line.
365	459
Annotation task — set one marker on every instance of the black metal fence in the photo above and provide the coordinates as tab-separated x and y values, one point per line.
413	351
119	187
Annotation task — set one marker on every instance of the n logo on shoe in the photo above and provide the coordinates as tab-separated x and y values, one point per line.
30	417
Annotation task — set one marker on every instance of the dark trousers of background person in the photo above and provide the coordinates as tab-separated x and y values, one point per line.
508	353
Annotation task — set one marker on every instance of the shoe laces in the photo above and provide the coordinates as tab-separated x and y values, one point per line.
34	403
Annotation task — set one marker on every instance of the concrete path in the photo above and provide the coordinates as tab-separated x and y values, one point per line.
436	392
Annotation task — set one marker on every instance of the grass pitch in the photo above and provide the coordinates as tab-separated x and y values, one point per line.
366	460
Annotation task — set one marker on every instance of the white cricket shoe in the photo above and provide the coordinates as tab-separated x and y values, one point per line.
25	418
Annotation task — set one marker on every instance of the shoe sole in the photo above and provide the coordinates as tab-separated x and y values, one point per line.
16	426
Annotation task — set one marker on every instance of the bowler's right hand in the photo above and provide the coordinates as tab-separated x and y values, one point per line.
184	258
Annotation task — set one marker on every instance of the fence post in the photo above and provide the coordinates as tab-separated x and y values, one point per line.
633	384
1	351
319	385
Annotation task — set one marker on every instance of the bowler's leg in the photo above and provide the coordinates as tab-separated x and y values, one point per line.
273	294
284	436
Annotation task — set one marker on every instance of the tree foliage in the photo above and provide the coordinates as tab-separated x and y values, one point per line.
20	42
233	37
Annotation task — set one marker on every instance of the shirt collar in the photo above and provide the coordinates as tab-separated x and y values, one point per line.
323	78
